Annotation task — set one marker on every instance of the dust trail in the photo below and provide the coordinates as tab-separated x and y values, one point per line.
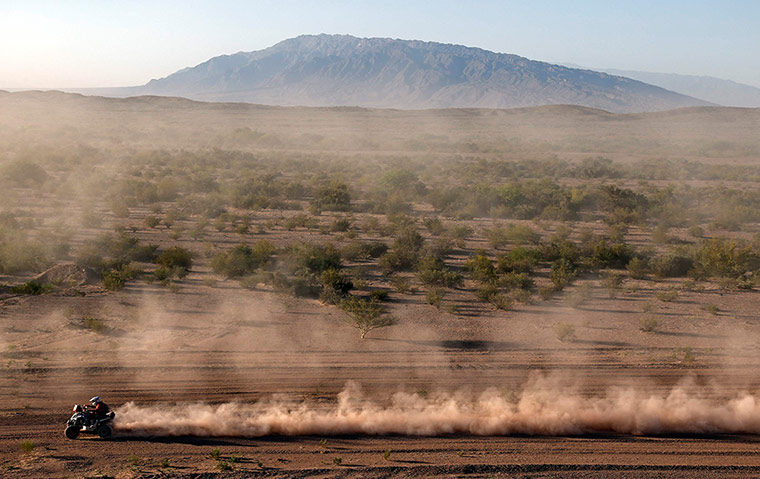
534	411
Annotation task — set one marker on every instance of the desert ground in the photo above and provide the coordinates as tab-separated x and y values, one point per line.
544	364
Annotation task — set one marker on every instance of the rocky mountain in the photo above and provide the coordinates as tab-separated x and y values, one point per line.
341	70
714	90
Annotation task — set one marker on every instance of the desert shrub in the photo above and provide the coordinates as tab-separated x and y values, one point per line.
546	292
637	268
152	221
303	287
242	259
378	295
485	291
501	301
405	252
564	331
613	283
119	208
616	255
33	288
511	233
365	315
220	223
340	225
519	260
434	225
726	258
557	249
562	273
120	248
516	281
335	286
579	296
481	267
176	257
710	308
522	295
667	296
19	254
459	233
94	324
334	196
696	232
25	173
433	271
400	283
309	258
27	446
301	220
165	273
361	250
113	280
434	296
671	265
649	324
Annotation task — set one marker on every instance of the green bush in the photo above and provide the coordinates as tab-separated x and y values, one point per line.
433	271
242	259
481	267
516	281
334	196
378	295
365	315
613	283
32	288
152	221
637	268
176	257
308	258
360	250
335	286
434	297
405	252
562	273
401	283
671	265
724	258
113	280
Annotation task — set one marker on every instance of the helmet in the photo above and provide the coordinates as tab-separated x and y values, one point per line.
95	400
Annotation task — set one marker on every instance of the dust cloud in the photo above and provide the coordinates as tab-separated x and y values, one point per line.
539	409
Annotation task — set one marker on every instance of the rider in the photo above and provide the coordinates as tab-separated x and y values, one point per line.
99	409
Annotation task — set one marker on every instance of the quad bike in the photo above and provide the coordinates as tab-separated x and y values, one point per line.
84	421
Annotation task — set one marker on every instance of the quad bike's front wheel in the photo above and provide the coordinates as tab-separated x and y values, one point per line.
104	431
72	432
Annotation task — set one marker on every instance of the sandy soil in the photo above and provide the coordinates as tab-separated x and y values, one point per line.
220	344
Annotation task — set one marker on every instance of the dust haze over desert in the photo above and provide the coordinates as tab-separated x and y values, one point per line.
379	254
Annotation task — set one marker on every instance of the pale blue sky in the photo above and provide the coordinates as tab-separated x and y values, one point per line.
80	43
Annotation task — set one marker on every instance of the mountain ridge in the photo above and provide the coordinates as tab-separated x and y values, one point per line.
342	70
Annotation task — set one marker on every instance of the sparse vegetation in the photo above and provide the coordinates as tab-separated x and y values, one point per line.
565	331
366	315
649	324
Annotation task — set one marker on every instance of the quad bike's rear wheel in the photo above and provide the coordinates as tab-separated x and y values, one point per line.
104	431
72	432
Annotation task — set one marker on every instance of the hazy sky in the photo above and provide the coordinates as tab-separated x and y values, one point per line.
79	43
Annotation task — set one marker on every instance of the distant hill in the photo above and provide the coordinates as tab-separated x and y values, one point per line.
341	70
714	90
51	120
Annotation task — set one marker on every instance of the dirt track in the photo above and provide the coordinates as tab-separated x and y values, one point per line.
219	345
